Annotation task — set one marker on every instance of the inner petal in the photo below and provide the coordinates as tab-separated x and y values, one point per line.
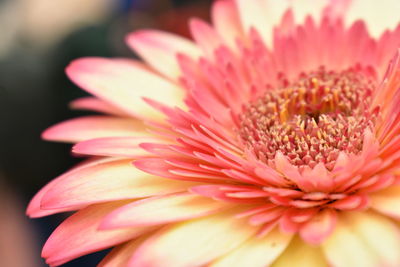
312	119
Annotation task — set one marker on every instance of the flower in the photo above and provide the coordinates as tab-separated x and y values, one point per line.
273	138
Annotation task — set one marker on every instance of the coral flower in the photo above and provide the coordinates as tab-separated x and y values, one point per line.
272	138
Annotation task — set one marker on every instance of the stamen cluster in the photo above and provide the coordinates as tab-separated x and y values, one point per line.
311	119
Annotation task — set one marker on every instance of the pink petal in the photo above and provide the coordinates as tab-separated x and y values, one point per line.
256	252
124	83
163	209
114	147
205	36
115	180
79	235
321	178
35	210
319	227
292	173
159	49
352	202
90	127
193	243
226	21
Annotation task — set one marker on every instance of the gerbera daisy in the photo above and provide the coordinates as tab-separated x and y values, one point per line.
271	139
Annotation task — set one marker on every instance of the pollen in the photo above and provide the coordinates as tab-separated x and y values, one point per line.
312	119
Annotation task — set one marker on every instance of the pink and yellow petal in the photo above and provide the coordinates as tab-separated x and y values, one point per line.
387	201
128	147
193	243
160	49
120	255
79	235
363	239
256	252
124	83
109	181
90	127
162	210
225	18
95	104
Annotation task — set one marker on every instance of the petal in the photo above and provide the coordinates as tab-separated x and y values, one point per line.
84	128
379	16
319	227
207	38
253	14
387	201
256	252
164	209
95	104
79	235
159	49
35	210
226	21
300	254
193	243
364	239
120	256
115	180
124	83
114	147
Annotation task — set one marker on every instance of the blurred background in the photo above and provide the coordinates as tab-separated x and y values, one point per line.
38	39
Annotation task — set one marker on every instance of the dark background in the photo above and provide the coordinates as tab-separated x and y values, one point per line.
34	94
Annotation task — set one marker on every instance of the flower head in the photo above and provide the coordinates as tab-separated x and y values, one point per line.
272	138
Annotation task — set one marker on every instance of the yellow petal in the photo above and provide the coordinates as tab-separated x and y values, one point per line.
300	254
363	239
387	201
193	243
256	252
124	83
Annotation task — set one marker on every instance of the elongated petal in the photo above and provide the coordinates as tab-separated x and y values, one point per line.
90	127
207	38
114	147
364	239
164	209
387	201
319	227
226	21
300	254
120	256
78	235
108	181
159	49
256	252
124	83
35	208
95	104
193	243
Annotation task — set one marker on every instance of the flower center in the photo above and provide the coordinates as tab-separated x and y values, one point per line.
311	119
